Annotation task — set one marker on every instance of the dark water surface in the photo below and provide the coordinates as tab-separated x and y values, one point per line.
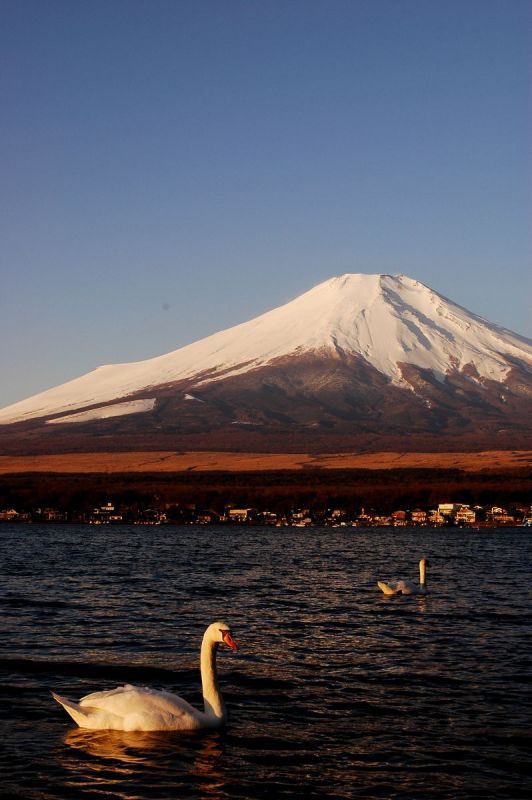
338	692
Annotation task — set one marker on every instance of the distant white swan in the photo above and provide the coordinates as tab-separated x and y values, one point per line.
134	708
406	587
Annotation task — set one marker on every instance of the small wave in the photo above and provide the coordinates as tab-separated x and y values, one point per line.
21	601
255	682
123	672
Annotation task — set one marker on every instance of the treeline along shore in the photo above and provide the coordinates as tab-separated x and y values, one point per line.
381	491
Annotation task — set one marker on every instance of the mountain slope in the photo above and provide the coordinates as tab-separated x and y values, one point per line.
378	354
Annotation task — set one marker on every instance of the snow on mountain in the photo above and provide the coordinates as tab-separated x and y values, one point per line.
388	320
107	412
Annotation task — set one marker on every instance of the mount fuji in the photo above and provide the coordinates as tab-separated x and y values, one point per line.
357	361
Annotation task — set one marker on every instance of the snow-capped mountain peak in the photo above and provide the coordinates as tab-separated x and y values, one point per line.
387	321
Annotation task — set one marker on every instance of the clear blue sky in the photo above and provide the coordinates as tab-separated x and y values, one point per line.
171	168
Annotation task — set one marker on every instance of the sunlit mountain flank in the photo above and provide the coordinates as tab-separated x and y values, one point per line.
358	358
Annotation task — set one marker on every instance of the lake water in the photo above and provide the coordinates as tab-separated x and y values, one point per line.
337	692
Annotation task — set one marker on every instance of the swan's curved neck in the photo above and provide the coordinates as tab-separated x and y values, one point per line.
422	575
212	698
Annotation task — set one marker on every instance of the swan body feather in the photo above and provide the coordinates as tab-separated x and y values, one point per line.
138	708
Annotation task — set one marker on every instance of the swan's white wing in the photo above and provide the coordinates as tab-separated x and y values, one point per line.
127	699
139	708
400	587
405	587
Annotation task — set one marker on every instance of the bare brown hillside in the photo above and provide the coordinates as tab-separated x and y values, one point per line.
168	461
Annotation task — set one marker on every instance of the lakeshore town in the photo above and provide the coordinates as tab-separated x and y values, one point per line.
445	515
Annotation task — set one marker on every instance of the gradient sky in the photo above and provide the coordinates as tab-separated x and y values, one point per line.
171	168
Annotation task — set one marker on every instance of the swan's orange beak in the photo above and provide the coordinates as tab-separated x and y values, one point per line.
229	641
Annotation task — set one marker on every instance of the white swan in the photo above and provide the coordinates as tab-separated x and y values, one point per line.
406	587
134	708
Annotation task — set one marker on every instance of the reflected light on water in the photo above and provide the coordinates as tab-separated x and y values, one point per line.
208	766
117	762
127	747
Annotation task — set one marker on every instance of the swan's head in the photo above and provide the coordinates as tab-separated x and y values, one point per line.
220	632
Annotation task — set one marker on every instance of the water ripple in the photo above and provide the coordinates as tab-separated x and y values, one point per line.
338	692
